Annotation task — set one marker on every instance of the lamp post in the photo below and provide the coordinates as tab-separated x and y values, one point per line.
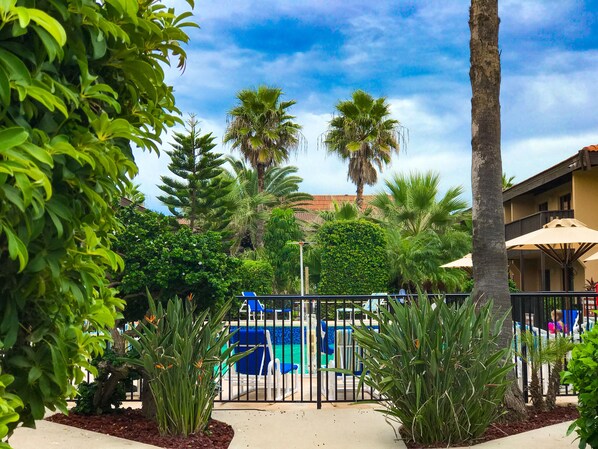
303	324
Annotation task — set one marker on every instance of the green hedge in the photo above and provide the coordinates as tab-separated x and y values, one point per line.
354	260
256	276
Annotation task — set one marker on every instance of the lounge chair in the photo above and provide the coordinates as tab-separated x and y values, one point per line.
345	357
260	368
252	305
369	305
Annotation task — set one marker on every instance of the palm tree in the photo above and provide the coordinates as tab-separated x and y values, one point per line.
489	252
261	128
424	230
250	207
507	181
411	203
364	135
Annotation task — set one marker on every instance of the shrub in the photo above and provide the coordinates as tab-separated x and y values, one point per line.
181	354
439	368
353	258
256	276
171	261
581	374
281	229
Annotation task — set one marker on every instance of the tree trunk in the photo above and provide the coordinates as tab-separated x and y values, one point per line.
359	199
554	384
489	251
259	232
535	389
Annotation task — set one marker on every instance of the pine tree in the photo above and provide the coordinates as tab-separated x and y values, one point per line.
199	193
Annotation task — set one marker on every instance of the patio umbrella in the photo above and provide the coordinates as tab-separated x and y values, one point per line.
592	257
564	240
464	262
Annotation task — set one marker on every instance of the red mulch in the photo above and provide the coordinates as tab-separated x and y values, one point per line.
132	425
535	421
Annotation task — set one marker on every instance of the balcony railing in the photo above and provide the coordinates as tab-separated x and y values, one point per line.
534	222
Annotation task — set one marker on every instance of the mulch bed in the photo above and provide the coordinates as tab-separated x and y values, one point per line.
132	425
535	421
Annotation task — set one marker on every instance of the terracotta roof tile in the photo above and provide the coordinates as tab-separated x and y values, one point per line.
591	148
326	202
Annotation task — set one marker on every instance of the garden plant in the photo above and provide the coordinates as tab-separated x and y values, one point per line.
581	374
438	367
181	354
81	85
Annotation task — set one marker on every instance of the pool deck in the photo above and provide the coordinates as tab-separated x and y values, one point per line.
292	426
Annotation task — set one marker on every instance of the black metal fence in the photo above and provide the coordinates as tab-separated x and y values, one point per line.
549	315
298	341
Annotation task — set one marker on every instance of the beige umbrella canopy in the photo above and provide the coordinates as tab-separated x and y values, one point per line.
463	262
592	257
564	240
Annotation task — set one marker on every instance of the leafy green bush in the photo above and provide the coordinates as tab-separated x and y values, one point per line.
438	367
169	261
10	404
256	276
282	229
82	86
353	258
181	354
581	374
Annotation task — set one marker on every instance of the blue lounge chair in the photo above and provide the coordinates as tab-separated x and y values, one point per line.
252	305
260	368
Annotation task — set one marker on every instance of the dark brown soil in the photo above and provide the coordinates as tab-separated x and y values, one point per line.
534	421
132	425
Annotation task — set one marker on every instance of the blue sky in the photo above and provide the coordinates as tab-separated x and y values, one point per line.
414	53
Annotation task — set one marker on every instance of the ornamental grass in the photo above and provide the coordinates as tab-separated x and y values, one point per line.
438	367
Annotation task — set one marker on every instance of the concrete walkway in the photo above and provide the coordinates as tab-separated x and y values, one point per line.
296	427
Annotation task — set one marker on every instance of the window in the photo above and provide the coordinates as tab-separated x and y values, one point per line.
546	286
543	206
565	202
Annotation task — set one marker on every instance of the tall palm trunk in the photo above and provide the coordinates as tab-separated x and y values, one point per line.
259	231
489	253
359	199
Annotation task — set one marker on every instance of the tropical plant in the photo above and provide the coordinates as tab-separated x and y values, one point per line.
200	191
182	354
263	131
413	203
507	181
425	230
559	348
581	375
415	260
437	366
281	230
348	248
134	194
536	353
364	135
80	84
251	207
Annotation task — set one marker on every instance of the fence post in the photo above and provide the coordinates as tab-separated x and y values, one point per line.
318	353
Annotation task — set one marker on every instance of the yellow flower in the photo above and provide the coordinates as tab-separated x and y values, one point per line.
198	364
417	343
159	366
150	319
190	297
